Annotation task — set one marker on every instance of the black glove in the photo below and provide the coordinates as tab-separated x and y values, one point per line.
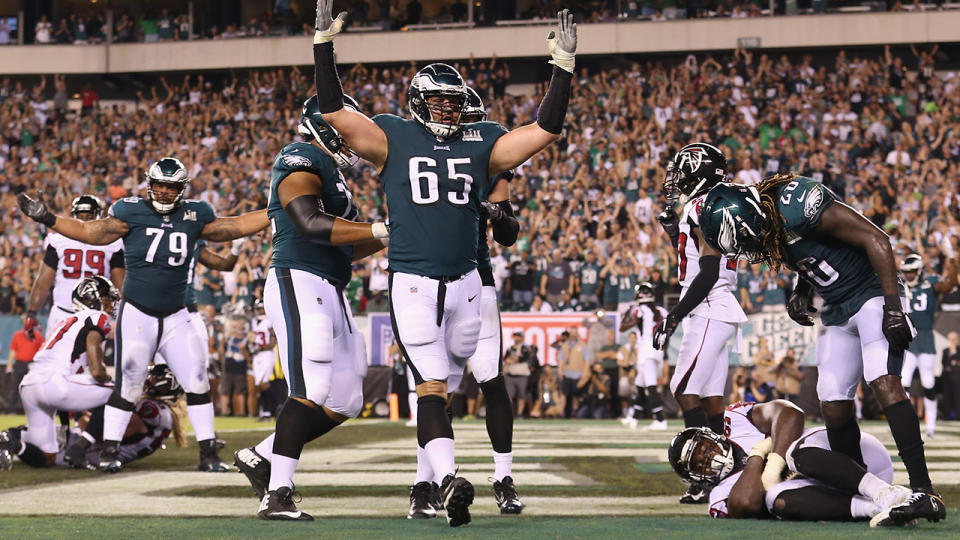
671	223
36	209
896	326
800	306
492	211
664	330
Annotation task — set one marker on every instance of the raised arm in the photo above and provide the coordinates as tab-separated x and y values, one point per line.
360	133
299	195
98	232
223	229
949	280
520	144
846	225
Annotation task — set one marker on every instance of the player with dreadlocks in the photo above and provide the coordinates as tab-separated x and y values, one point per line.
795	221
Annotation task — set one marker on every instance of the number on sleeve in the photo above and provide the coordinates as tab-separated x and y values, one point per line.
73	260
786	197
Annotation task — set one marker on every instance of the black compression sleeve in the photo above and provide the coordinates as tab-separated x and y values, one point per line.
507	228
116	260
50	257
553	108
699	288
329	91
307	215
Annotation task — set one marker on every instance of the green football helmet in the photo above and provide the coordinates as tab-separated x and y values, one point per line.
474	111
912	264
313	126
441	117
733	222
171	172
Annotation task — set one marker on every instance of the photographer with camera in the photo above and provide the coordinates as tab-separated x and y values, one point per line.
516	367
593	387
574	358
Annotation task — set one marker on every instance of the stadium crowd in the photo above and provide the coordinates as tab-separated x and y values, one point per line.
882	131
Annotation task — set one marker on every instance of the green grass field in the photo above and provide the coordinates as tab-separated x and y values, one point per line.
580	479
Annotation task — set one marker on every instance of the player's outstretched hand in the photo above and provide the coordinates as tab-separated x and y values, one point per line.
36	209
562	43
326	25
799	308
664	330
896	327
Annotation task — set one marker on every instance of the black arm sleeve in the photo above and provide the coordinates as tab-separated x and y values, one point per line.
307	215
50	257
329	90
116	260
506	229
699	288
553	108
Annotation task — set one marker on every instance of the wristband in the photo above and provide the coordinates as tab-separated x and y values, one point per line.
380	230
773	471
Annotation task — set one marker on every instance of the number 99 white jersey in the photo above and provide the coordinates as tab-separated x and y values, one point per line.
73	261
721	304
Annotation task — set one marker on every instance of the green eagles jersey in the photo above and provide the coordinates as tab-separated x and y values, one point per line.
190	298
589	278
433	191
290	250
841	274
921	307
157	251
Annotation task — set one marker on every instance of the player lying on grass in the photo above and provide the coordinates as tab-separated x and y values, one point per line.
821	485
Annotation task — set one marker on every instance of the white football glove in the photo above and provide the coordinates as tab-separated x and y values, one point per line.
761	449
236	244
326	25
773	470
562	43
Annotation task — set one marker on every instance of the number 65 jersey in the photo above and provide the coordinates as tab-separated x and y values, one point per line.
433	189
157	251
73	260
841	274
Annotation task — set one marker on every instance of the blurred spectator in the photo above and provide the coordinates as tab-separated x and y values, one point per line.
573	361
5	31
789	377
557	279
516	368
764	374
540	305
775	290
89	100
951	378
63	34
43	31
414	10
608	357
550	402
23	346
123	33
165	26
752	285
458	11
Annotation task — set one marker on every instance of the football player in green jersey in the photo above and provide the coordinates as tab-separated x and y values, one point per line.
922	291
435	171
795	221
159	234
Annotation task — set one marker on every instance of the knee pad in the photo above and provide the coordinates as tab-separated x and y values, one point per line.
417	326
463	338
316	338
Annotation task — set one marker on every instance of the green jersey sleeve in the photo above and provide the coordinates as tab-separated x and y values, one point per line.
802	202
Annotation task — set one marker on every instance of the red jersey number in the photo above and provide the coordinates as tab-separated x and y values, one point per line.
74	260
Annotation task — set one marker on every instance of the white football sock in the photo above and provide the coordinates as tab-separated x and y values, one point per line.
861	507
281	471
114	423
412	400
870	485
424	469
502	465
440	453
930	413
265	447
201	418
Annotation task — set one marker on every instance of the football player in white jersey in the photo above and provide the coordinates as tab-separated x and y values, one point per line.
642	320
820	484
67	261
67	374
708	308
264	358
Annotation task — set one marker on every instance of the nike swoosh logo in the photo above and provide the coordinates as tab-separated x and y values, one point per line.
471	298
288	514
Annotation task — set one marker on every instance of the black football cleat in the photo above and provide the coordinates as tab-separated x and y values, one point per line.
920	505
436	497
209	459
422	501
457	493
279	505
696	494
110	457
507	497
76	454
255	468
7	451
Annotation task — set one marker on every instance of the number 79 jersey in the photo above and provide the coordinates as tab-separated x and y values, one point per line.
73	260
157	251
433	192
841	274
